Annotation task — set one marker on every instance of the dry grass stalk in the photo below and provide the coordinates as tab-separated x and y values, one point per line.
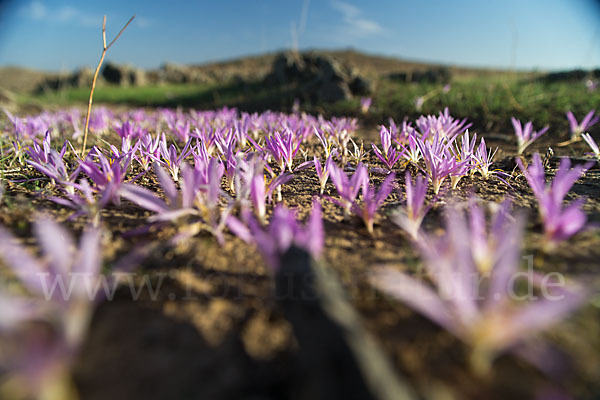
104	50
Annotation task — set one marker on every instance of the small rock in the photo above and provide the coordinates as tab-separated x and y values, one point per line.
361	86
330	92
116	74
137	77
330	70
173	73
288	67
81	77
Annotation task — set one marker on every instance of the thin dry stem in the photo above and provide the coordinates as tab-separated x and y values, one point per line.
104	50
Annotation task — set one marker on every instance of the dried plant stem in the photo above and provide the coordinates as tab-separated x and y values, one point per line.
104	50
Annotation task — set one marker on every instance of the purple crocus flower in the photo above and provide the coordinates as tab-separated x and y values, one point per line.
282	232
410	217
55	168
389	156
62	288
443	124
412	153
46	160
483	159
559	223
181	129
129	131
87	202
177	124
466	149
439	162
525	135
17	123
177	204
170	158
199	197
419	101
476	301
232	157
260	190
58	247
282	147
464	153
372	200
325	141
107	174
591	85
148	150
592	143
323	172
346	187
365	104
40	154
587	122
358	154
100	119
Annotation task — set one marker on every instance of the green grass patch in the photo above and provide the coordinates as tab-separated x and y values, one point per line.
488	102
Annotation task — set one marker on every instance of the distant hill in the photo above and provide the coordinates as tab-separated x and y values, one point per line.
19	79
259	65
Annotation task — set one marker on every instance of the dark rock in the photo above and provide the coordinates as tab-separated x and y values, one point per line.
398	76
115	74
81	77
361	86
566	76
153	77
238	80
330	92
433	75
124	75
288	67
174	73
316	77
330	70
137	77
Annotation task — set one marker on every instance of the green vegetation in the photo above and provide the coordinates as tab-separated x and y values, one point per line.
487	102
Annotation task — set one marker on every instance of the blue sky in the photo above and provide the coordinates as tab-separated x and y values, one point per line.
526	34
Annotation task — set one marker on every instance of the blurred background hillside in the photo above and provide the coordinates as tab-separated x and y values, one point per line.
485	60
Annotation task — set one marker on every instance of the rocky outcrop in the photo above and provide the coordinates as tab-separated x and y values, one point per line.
123	75
571	76
174	73
431	75
81	77
316	77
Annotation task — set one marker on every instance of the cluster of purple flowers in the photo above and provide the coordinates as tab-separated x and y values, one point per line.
469	281
560	223
223	170
440	146
43	325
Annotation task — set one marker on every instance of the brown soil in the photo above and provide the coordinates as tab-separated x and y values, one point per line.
215	332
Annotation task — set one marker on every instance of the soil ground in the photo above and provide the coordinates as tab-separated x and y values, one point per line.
215	332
